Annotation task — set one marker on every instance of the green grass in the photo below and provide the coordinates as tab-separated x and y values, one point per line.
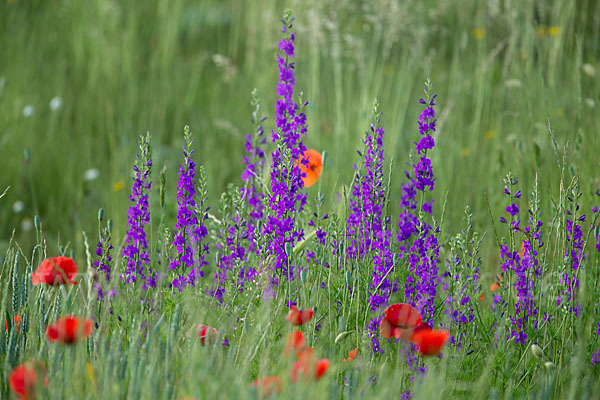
125	68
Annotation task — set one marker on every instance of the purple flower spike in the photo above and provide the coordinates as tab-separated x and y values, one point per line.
135	250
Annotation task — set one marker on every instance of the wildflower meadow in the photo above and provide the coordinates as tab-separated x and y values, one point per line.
301	199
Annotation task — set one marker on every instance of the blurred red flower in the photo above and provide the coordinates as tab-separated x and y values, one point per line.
400	321
295	342
69	330
268	385
16	320
430	342
299	317
206	333
24	378
55	271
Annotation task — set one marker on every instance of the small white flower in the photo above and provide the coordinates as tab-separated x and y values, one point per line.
28	110
589	69
513	83
590	102
27	224
91	174
56	103
18	206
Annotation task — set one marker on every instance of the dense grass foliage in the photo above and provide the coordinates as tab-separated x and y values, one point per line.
504	251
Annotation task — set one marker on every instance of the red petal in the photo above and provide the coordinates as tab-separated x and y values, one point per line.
403	315
299	317
296	342
385	328
430	342
321	367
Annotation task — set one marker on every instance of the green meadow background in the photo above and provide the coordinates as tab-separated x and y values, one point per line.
81	80
502	70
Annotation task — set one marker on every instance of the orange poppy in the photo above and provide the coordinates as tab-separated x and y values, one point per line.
299	317
206	332
69	330
311	168
351	355
494	286
400	321
268	385
430	342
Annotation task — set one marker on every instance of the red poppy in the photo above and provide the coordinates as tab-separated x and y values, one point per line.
494	286
309	368
15	321
400	321
24	378
430	342
311	168
299	317
55	271
206	332
268	385
295	342
351	355
69	330
481	296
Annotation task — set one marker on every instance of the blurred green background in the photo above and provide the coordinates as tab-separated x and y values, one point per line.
80	81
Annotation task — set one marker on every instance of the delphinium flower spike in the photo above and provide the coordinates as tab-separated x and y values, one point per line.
286	195
190	230
135	251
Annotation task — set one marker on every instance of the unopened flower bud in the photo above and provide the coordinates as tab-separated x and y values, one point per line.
537	351
303	275
342	336
100	214
549	365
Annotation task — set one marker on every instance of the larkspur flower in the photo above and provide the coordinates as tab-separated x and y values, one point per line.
287	197
368	228
418	242
190	231
102	265
524	267
135	251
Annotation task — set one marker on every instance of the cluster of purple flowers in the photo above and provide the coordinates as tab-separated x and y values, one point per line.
367	227
463	286
523	265
135	250
574	253
286	197
417	238
254	163
190	230
103	263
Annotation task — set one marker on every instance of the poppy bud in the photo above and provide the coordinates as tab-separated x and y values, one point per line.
288	249
537	351
303	275
37	222
324	157
549	365
109	225
342	336
100	214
